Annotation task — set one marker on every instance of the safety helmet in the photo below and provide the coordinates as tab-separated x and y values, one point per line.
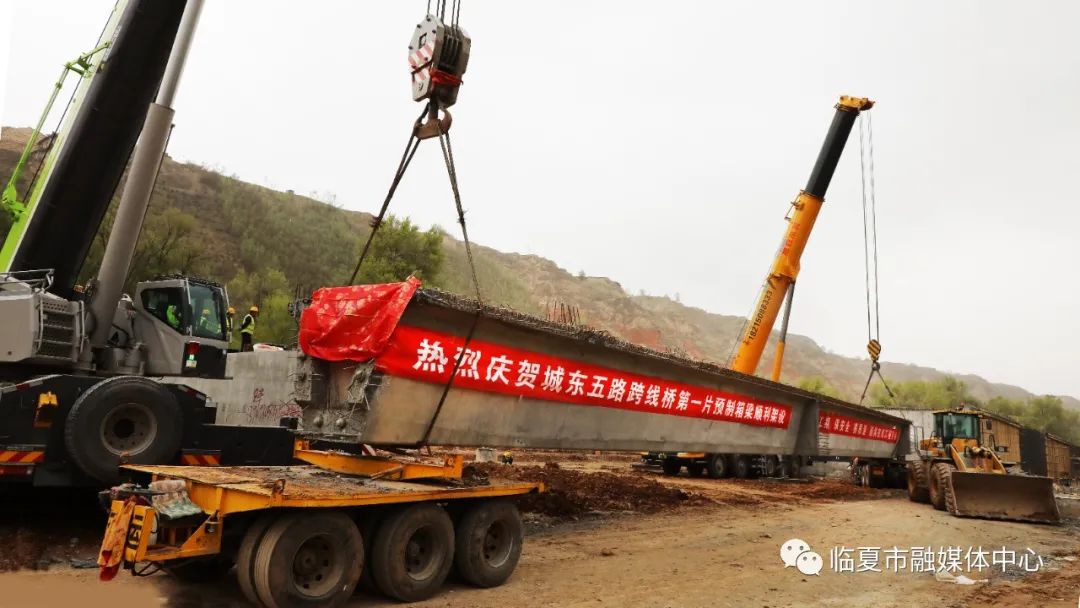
253	309
206	311
231	311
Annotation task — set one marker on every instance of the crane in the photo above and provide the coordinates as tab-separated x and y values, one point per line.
75	398
779	287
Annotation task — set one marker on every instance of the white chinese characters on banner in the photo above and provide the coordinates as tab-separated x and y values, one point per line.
836	424
425	354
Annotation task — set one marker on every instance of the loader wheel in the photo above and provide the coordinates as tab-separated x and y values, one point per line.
695	469
671	467
311	560
413	552
945	482
742	467
488	542
245	557
127	416
718	466
939	482
916	483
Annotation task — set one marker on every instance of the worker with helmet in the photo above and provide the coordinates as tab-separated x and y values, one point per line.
229	314
247	329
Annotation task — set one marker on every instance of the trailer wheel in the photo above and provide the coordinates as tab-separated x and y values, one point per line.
671	467
917	487
309	560
488	540
742	467
127	416
245	557
695	469
718	466
939	480
413	552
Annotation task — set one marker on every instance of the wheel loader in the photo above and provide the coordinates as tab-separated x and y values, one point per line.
956	473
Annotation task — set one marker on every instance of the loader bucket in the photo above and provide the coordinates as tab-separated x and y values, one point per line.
1011	497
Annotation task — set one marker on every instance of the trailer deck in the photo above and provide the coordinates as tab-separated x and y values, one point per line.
228	490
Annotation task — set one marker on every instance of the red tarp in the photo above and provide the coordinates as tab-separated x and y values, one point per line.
353	323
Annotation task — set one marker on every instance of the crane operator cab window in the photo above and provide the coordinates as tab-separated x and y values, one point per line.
167	304
957	426
207	307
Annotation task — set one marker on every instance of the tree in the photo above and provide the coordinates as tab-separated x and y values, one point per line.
401	249
947	393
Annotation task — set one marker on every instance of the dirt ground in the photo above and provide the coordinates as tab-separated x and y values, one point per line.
612	536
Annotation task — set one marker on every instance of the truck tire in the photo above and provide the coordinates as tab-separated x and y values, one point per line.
413	552
741	467
245	557
916	483
718	466
488	540
671	467
124	416
939	482
309	560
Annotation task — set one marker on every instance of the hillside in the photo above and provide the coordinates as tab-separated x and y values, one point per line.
262	242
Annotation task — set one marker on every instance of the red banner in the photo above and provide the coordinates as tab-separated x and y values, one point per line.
427	355
835	424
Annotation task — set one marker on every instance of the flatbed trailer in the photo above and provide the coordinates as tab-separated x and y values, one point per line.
306	535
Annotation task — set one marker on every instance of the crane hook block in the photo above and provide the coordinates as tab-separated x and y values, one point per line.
438	55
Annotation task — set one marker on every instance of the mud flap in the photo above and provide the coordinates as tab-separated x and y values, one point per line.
1009	497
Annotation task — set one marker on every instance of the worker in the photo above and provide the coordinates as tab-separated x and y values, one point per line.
229	314
208	323
172	316
247	329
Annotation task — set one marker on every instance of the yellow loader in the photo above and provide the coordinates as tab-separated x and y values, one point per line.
958	474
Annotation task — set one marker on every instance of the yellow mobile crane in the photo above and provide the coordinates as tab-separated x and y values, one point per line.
780	283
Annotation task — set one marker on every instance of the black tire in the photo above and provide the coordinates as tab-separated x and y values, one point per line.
671	467
199	569
413	552
950	496
308	560
718	466
741	467
695	469
126	415
487	543
245	557
917	487
939	481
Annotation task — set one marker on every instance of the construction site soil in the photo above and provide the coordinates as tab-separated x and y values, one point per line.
610	535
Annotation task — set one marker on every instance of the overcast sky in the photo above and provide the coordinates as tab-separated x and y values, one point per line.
658	144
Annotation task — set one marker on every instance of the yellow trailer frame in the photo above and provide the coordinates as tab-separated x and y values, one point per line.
332	481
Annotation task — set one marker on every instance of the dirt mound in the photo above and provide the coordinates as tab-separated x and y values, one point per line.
573	493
